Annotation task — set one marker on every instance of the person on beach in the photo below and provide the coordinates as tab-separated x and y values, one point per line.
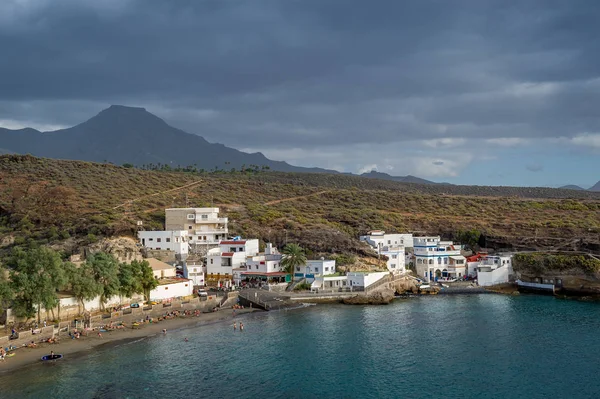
164	330
99	334
241	326
185	339
234	326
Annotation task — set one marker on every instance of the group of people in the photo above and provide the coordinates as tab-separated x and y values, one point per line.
241	326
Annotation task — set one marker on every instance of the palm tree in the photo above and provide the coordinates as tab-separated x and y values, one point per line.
293	255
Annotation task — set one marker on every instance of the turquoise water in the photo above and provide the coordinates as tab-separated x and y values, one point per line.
478	346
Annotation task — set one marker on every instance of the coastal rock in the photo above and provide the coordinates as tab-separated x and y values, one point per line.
381	297
405	286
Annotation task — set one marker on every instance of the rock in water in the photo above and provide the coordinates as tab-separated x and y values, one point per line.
381	297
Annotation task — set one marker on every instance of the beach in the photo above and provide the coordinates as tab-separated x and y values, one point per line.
69	347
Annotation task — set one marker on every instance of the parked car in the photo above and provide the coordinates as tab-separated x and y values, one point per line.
135	305
202	293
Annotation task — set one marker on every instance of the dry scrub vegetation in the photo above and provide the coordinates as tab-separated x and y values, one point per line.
46	200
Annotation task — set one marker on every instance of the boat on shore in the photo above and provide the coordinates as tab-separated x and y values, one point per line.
51	357
535	288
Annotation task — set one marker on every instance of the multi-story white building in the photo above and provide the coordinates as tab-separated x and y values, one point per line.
314	268
262	266
195	272
494	270
396	262
230	254
378	239
204	226
393	246
170	240
438	260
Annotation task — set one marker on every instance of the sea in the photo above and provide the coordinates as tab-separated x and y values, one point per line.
471	346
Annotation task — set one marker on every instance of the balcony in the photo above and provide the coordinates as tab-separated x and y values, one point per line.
211	231
211	220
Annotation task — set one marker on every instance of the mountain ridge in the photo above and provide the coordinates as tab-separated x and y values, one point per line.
122	134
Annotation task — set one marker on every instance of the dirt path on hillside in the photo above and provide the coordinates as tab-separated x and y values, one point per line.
295	198
159	193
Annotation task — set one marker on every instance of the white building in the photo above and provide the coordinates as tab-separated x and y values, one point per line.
396	262
362	280
161	269
230	254
204	226
494	270
314	268
438	260
262	266
378	238
170	240
330	283
195	272
169	288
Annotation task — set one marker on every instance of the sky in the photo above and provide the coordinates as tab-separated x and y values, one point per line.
490	92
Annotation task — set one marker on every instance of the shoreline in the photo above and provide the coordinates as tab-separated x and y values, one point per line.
74	348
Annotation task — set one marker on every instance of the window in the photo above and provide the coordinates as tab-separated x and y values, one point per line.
211	261
150	239
189	227
232	249
186	285
393	265
204	217
394	256
389	242
169	240
204	238
191	216
419	261
297	268
166	288
326	269
316	270
158	240
431	261
256	267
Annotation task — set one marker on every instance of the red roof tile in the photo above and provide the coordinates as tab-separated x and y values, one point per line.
227	254
232	242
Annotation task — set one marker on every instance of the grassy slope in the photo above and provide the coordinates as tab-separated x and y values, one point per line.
46	199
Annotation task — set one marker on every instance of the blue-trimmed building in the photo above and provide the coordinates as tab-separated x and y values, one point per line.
437	260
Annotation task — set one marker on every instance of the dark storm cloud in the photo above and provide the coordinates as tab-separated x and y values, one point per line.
311	72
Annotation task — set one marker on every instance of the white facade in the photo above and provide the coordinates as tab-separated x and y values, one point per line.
195	273
378	239
171	240
329	283
314	268
267	262
204	226
67	301
396	262
172	288
231	254
436	259
494	270
362	280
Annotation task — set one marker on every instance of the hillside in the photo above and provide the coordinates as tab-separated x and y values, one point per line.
403	179
122	134
64	201
595	187
572	187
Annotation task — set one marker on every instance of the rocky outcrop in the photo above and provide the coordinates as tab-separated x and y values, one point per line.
406	285
381	297
125	249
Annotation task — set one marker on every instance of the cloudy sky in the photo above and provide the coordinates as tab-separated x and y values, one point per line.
476	92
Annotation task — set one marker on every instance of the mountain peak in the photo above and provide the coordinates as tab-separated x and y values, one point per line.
595	187
120	108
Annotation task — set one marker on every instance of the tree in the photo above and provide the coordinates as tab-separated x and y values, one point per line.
146	277
469	237
293	255
37	275
105	271
6	293
130	279
83	284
